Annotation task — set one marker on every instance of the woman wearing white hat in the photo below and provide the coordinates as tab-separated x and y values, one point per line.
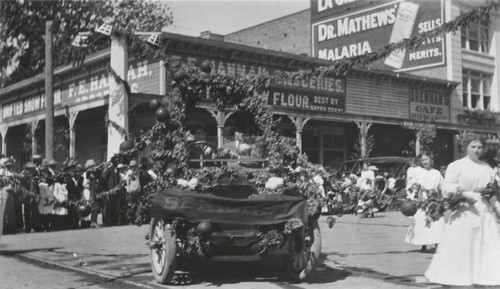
91	188
366	180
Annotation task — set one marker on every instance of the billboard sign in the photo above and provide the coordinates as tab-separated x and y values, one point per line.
369	27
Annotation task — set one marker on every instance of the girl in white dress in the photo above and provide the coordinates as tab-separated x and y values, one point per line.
418	232
469	252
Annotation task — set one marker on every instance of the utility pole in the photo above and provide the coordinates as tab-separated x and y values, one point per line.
49	96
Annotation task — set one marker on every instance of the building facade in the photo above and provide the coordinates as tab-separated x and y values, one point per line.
469	59
323	114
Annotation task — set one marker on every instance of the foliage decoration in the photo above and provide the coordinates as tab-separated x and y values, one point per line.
365	142
427	137
435	205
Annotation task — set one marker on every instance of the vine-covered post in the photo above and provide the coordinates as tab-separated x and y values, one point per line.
363	138
3	134
118	99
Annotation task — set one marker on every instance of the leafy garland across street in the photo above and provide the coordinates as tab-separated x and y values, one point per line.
169	136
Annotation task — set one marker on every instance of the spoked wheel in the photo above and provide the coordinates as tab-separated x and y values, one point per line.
163	250
303	252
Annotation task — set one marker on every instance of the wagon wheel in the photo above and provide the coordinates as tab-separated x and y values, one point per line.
163	250
303	252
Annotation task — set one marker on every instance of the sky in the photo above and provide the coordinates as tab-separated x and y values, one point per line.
191	17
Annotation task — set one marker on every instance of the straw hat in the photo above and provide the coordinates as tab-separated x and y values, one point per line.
30	165
90	163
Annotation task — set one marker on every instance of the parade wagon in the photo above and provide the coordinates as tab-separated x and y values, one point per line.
231	221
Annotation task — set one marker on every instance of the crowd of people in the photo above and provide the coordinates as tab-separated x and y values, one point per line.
29	202
468	236
366	192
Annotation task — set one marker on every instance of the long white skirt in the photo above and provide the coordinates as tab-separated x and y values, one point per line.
469	252
3	201
420	234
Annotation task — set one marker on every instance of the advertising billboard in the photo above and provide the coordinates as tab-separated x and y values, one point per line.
344	29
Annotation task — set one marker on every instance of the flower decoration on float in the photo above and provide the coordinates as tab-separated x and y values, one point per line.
274	183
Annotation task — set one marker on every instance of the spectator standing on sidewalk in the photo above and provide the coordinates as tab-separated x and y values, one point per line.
133	189
47	200
469	251
91	188
60	192
72	219
429	180
6	191
121	196
31	197
110	179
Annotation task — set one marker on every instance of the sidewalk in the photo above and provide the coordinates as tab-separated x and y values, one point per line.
356	250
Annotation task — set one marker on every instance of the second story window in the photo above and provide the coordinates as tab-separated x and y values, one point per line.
476	90
475	37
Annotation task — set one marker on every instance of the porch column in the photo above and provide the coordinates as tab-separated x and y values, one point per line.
220	118
33	124
72	134
417	143
299	123
3	133
118	98
163	78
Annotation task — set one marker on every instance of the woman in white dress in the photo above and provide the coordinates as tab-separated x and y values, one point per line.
412	170
469	252
428	179
366	179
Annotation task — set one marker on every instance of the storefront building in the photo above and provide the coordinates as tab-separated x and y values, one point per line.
333	30
323	114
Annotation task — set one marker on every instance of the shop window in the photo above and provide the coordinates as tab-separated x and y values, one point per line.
476	90
475	37
324	148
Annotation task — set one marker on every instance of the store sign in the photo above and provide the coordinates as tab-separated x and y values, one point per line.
142	76
413	125
429	105
366	27
319	94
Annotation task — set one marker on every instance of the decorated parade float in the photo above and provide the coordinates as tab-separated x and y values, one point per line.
248	197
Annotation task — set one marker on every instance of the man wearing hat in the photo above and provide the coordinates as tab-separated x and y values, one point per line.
52	164
71	182
110	179
29	178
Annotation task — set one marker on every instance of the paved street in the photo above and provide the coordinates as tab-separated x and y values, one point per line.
357	253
